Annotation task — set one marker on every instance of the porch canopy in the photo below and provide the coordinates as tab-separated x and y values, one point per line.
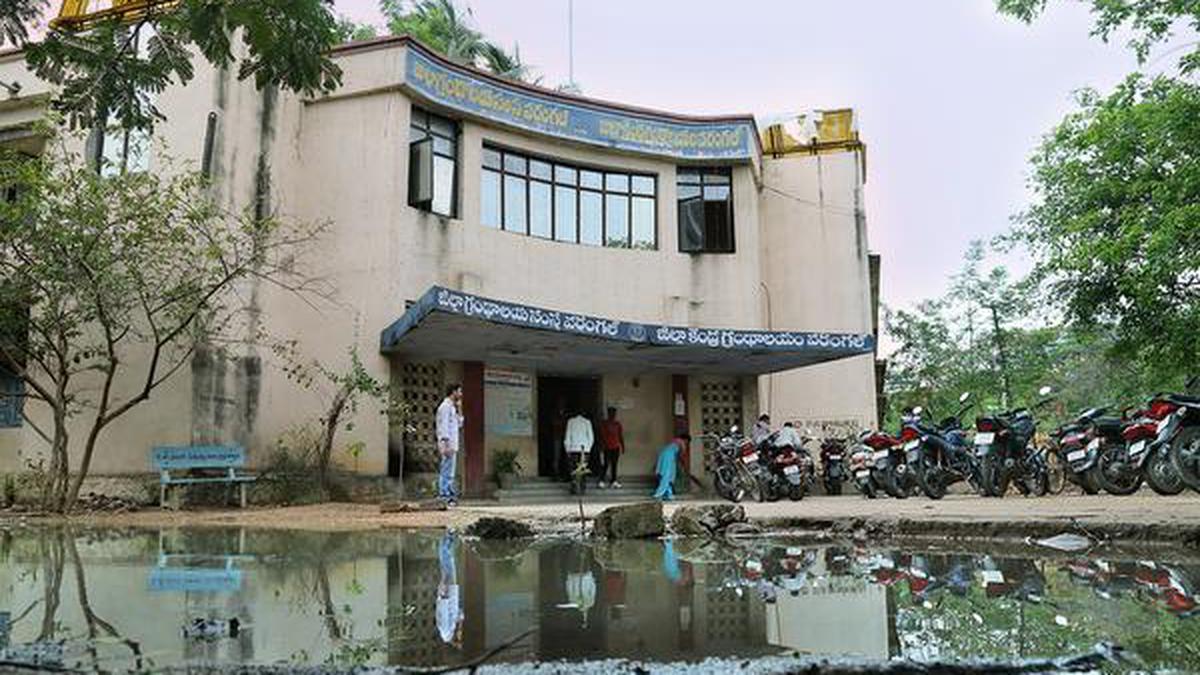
455	326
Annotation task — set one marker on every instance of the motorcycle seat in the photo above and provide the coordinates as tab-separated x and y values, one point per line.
1109	423
1193	400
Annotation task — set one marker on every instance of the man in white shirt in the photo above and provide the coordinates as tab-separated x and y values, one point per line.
449	430
578	443
449	610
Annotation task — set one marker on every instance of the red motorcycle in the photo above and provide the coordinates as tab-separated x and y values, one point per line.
870	460
1146	453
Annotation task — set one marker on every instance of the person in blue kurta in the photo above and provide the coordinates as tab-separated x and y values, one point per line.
668	458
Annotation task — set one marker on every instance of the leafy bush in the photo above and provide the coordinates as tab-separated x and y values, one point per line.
504	461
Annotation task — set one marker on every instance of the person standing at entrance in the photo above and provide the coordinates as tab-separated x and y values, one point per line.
668	458
449	430
612	441
578	441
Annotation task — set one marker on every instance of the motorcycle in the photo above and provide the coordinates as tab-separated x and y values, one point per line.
1071	444
1181	432
1147	447
900	477
869	461
833	471
734	467
1004	448
1106	451
789	468
942	456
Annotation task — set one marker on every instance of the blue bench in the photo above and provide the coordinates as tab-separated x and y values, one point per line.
224	458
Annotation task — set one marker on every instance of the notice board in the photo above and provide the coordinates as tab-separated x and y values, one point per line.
507	402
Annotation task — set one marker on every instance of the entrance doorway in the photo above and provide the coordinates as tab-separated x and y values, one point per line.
558	399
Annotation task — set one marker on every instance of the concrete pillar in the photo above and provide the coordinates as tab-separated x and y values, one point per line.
473	468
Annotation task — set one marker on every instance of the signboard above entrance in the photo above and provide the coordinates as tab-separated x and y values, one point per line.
732	139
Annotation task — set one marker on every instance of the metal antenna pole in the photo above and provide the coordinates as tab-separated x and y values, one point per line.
571	42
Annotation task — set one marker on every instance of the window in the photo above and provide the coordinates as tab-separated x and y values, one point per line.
12	390
116	149
433	164
705	210
548	199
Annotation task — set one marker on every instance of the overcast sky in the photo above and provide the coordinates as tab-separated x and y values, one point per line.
952	98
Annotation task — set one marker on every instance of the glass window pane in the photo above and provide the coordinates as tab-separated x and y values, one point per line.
514	204
688	192
419	118
617	182
491	158
416	134
616	221
590	179
442	146
590	217
565	227
442	126
687	176
539	169
565	174
443	186
643	185
643	223
514	164
716	179
716	193
691	225
489	212
539	209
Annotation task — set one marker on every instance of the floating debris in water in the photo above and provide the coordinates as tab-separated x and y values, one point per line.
1066	542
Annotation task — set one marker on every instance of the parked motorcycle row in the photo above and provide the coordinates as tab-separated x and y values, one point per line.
1157	444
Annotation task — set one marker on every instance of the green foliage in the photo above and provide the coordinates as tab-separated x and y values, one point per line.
121	278
1115	226
449	30
114	69
350	30
1151	22
504	461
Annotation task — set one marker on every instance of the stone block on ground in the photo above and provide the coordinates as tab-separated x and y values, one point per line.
396	506
499	528
631	521
706	520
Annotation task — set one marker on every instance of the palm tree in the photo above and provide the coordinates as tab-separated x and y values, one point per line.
438	24
508	64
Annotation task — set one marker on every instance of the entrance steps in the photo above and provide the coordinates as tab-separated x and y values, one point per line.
550	491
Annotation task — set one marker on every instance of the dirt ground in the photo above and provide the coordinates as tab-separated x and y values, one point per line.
1140	517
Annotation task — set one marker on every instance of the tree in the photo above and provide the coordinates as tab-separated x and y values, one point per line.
1115	224
443	27
344	389
120	278
1151	22
111	70
352	31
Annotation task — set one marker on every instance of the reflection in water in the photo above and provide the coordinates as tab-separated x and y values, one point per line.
109	600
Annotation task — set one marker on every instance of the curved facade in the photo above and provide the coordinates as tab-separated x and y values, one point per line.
431	174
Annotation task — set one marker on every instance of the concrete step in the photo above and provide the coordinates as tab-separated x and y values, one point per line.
541	491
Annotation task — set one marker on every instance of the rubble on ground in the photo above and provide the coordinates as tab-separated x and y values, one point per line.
499	528
643	520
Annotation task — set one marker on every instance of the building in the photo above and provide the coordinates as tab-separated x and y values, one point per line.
548	251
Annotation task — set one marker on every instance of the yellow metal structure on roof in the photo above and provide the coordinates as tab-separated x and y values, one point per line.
82	14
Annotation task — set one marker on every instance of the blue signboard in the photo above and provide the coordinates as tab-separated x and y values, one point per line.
720	140
194	579
465	304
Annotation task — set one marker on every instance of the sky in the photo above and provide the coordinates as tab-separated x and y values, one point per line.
952	98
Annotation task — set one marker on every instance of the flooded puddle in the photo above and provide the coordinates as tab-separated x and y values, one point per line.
118	600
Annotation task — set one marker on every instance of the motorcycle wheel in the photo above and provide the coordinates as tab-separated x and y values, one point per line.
750	486
993	477
1087	483
796	492
895	485
833	487
932	481
1161	475
867	488
1185	455
1036	483
1120	485
1056	474
726	484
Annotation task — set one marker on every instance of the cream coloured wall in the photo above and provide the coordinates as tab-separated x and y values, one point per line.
816	279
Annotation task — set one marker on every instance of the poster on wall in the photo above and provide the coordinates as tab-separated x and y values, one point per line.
508	402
